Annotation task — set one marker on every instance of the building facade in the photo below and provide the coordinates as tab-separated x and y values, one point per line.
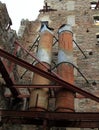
83	17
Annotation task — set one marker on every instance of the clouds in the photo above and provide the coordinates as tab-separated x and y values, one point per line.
22	9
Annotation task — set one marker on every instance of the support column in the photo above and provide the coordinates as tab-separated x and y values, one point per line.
39	97
65	98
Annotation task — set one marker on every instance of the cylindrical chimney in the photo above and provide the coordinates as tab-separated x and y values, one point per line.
39	97
64	97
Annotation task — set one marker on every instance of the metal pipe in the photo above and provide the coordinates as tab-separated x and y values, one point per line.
42	63
47	75
65	98
79	48
26	71
37	39
44	54
75	68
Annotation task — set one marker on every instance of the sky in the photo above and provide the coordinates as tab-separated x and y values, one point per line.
22	9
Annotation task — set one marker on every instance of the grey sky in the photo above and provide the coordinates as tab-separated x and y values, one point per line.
22	9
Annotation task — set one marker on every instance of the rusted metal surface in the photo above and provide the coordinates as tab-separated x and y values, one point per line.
38	100
65	52
64	101
44	53
39	97
8	80
97	5
52	123
35	86
80	49
59	119
47	75
39	80
40	62
65	98
52	115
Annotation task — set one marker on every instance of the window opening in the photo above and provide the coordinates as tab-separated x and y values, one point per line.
96	20
93	5
97	37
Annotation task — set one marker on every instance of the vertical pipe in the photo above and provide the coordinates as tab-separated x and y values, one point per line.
65	98
39	97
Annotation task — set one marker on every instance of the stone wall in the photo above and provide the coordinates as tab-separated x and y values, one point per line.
79	15
7	38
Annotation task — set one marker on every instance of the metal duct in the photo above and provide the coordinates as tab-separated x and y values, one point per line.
65	98
39	97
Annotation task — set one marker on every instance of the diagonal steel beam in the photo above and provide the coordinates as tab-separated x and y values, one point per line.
47	75
97	5
8	80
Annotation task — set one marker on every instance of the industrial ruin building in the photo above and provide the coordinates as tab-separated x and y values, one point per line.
49	71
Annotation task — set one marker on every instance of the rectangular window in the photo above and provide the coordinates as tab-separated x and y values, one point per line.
96	20
93	5
97	37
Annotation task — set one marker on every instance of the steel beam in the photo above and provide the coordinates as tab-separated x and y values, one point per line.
48	75
88	116
35	86
59	119
9	82
97	5
52	123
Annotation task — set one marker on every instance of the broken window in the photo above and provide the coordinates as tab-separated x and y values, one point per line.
93	4
44	22
96	20
97	37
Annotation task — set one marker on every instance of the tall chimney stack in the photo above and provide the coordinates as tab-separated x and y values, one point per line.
64	97
39	97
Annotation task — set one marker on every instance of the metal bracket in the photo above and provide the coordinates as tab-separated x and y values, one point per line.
79	48
74	67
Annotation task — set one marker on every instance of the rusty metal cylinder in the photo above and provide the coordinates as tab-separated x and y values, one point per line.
64	97
39	97
44	54
39	100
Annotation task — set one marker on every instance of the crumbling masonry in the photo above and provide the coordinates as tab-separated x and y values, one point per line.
62	49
